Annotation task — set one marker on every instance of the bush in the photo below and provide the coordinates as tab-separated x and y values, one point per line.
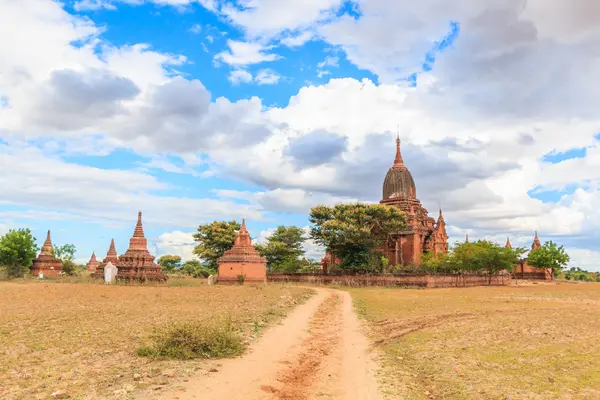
194	339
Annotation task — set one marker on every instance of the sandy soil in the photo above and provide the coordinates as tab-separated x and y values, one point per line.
319	351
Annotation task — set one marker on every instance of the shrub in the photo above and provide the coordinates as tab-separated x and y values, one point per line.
194	339
241	279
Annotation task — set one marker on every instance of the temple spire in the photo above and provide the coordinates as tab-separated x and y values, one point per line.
243	228
48	241
139	230
508	245
467	238
398	161
536	242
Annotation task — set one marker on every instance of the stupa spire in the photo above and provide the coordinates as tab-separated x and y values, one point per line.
139	229
47	246
243	237
536	242
508	245
398	161
467	238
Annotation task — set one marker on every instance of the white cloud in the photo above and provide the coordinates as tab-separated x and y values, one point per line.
102	195
474	129
176	243
266	18
246	53
267	77
585	259
196	29
238	76
92	5
297	40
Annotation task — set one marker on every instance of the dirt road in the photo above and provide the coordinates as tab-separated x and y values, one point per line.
318	351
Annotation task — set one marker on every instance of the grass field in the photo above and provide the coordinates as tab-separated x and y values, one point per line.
529	342
82	338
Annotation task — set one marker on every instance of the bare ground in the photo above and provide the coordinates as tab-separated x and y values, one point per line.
319	351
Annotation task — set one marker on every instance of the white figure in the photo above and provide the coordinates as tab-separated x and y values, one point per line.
110	273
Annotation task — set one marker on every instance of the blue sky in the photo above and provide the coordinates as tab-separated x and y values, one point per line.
196	110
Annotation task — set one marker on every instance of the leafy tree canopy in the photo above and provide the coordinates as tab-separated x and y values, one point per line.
283	249
169	263
353	231
214	239
17	251
550	255
65	252
196	269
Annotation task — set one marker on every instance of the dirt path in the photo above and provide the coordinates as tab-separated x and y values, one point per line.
318	351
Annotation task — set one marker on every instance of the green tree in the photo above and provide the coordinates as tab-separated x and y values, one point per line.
169	263
283	249
352	232
65	252
17	251
214	239
195	269
66	255
549	256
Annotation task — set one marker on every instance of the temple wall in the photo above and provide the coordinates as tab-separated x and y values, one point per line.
412	280
252	272
46	271
526	271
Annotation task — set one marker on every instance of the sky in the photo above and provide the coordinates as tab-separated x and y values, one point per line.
200	110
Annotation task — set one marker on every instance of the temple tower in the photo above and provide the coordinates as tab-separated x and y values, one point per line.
536	242
242	260
137	264
46	263
111	256
423	233
93	264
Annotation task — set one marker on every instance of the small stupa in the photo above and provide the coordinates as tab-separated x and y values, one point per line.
111	256
93	264
46	263
137	264
242	263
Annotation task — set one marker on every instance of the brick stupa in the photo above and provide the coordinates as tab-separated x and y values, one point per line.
46	263
93	264
242	260
111	256
137	264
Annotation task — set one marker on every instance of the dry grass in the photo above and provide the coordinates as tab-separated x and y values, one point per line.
529	342
83	338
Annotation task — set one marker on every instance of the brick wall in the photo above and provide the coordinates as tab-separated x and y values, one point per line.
412	280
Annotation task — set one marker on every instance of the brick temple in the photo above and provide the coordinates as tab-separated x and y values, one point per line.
422	234
526	271
242	260
93	264
111	256
46	263
137	264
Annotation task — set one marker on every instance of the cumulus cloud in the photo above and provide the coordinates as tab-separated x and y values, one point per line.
245	53
176	243
316	148
267	77
517	81
102	195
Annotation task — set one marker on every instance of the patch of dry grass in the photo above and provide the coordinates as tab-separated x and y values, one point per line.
83	338
531	342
